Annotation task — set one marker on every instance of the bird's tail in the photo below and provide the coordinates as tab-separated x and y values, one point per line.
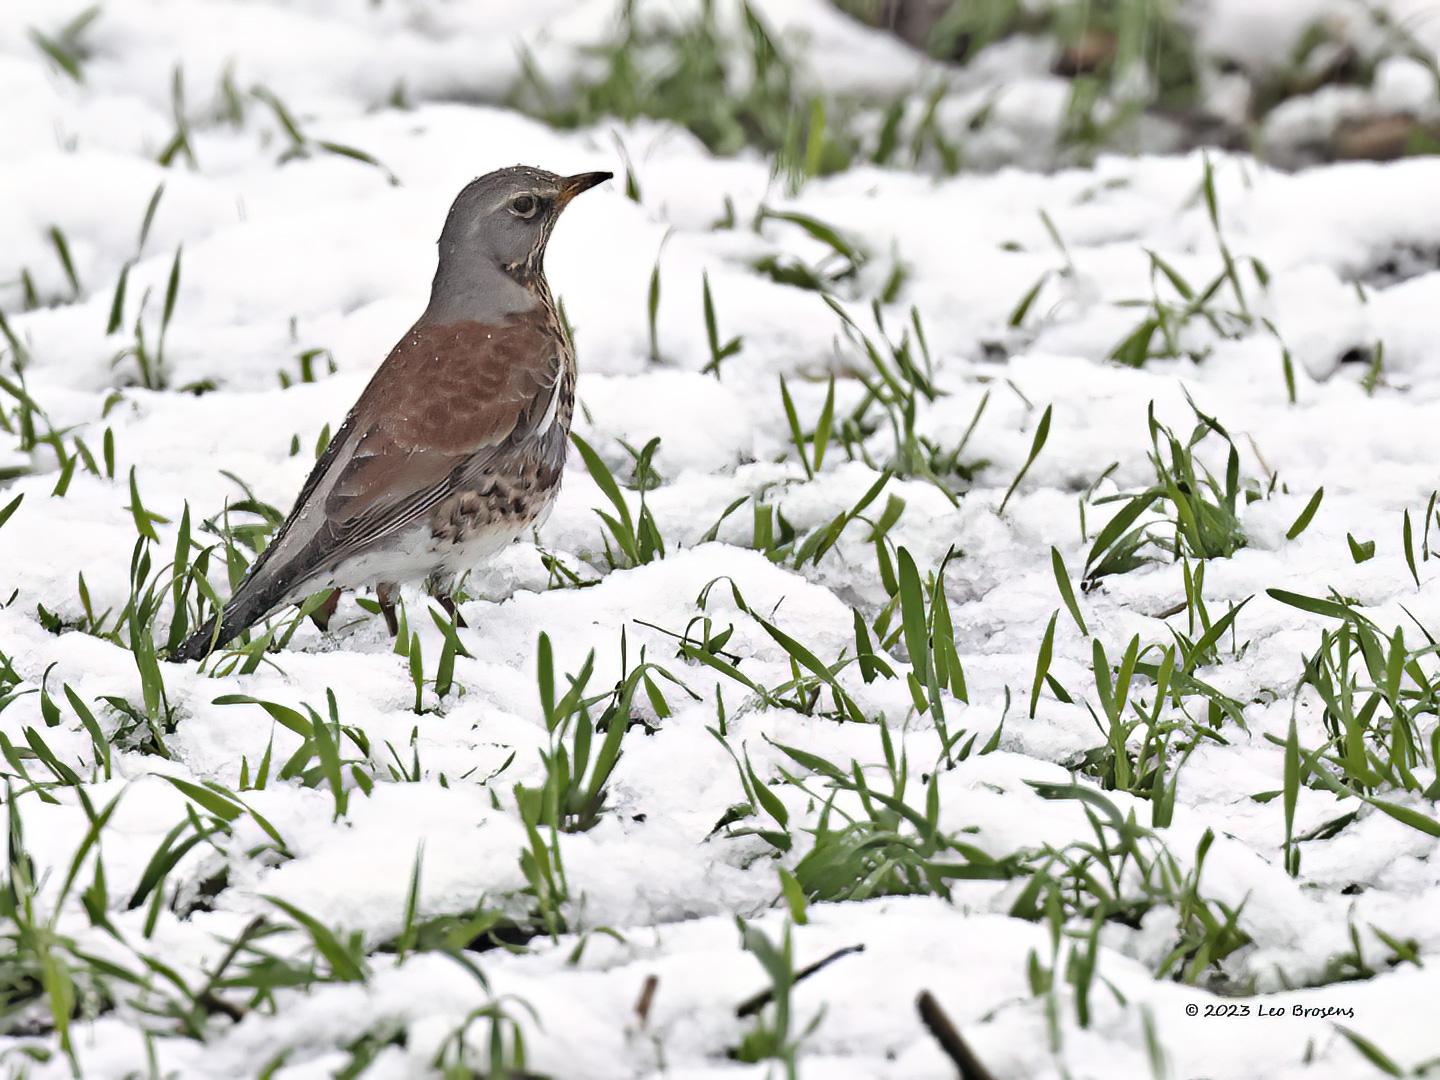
249	605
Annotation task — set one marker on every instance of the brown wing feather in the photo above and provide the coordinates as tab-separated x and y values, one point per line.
445	399
444	395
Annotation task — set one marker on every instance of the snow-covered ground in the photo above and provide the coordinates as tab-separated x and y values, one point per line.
320	251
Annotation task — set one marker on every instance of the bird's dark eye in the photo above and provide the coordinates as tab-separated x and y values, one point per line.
524	206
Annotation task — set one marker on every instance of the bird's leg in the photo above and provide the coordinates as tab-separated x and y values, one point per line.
448	603
385	597
322	615
442	587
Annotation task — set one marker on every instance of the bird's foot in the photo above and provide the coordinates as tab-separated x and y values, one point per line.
453	610
322	615
385	597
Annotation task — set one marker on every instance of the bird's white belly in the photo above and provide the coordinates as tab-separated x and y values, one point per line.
414	556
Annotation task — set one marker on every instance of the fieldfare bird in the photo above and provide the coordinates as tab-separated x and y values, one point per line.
456	446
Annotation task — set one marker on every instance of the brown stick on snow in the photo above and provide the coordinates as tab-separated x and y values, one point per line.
956	1049
752	1005
647	997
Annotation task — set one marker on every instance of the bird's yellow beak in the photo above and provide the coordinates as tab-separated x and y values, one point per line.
574	185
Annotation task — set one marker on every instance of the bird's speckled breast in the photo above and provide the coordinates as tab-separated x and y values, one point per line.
498	503
520	490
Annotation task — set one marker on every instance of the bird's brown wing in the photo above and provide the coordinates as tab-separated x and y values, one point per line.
446	401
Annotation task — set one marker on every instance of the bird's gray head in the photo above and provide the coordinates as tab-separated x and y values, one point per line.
503	221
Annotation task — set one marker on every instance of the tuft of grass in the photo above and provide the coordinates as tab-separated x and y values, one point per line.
584	748
180	144
898	377
47	970
775	1036
1150	770
842	262
319	760
299	145
66	49
636	538
652	301
719	351
27	421
504	1042
308	363
1185	327
67	261
818	437
149	359
1037	443
1202	512
1120	875
1379	697
929	638
870	839
543	867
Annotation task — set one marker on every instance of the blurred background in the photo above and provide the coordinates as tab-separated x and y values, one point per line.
1293	81
1038	83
